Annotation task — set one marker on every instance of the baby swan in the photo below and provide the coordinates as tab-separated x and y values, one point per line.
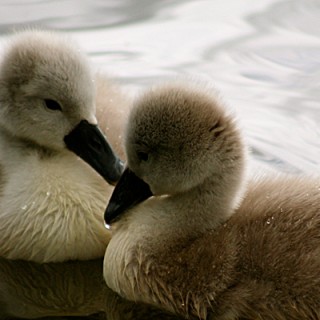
49	198
192	248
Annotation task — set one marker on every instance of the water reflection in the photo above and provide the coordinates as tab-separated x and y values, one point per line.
30	290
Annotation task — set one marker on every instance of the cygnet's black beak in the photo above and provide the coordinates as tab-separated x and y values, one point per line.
87	141
129	191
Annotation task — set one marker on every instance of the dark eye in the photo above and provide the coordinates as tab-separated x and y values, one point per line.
52	104
143	156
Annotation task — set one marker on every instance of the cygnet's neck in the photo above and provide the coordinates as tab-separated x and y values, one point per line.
187	214
207	205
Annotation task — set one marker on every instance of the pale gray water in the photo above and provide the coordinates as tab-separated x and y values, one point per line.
264	57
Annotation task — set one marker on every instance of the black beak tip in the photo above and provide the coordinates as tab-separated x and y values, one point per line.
111	213
129	192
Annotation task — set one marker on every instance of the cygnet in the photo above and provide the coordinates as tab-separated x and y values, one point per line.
51	201
188	238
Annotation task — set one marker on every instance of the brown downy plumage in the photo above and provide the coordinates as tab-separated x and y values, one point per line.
49	197
200	247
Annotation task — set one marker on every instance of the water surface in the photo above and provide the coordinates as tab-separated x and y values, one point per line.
264	57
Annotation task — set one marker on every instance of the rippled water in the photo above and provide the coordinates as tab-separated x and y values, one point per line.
264	57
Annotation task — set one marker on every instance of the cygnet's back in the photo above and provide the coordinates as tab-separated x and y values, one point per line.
194	248
51	201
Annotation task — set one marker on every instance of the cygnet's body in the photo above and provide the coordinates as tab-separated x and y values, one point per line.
192	248
51	201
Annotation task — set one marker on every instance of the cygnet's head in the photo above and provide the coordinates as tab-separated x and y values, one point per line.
177	138
47	92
